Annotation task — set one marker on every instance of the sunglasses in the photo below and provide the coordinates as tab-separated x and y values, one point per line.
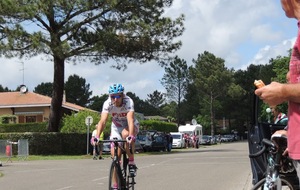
116	96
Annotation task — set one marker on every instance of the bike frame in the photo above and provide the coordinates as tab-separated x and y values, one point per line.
272	178
121	170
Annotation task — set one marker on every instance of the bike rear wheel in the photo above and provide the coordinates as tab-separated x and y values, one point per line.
286	185
115	177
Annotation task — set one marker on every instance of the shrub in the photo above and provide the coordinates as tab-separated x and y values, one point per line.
158	125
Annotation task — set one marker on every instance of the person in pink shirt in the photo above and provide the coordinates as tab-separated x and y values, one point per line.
276	93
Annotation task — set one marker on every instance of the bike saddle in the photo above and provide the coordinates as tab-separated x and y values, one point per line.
280	140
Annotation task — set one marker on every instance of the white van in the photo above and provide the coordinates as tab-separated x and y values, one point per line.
192	130
178	140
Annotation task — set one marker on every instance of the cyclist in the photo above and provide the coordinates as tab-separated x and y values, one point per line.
123	125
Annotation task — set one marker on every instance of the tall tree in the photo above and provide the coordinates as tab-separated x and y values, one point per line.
76	30
212	79
44	89
96	102
140	105
169	110
77	91
191	106
281	68
156	99
2	89
175	80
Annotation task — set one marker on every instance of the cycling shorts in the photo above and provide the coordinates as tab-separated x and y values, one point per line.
116	132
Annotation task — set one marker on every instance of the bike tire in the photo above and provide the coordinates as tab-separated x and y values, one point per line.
118	177
130	182
286	185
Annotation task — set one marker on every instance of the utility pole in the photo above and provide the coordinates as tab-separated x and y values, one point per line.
23	70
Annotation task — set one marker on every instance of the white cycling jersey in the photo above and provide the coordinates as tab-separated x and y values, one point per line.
119	114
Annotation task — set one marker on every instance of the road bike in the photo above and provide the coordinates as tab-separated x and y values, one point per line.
119	176
276	163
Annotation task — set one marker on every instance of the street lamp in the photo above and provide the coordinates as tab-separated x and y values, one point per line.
268	110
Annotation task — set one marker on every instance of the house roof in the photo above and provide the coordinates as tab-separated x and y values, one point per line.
30	99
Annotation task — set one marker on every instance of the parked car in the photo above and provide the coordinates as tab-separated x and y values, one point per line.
178	140
206	140
227	138
144	136
106	147
155	141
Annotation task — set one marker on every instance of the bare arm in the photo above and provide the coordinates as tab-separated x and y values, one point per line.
101	123
277	93
130	120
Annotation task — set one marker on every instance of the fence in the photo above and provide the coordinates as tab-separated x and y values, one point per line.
6	149
23	149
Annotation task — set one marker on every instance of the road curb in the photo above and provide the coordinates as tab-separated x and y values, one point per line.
248	184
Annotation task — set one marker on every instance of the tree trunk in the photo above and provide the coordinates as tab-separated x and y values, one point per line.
178	110
212	133
57	95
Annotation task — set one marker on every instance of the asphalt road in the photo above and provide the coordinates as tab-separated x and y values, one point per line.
224	166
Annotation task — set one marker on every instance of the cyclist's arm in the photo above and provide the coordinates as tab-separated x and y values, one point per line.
101	123
130	120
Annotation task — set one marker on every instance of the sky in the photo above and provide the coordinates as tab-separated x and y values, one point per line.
240	32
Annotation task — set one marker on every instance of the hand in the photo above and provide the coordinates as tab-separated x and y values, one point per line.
271	94
96	140
285	152
130	139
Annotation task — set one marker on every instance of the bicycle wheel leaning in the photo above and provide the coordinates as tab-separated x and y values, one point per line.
115	177
286	185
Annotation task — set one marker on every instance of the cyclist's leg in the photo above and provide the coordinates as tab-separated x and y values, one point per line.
131	163
115	132
125	133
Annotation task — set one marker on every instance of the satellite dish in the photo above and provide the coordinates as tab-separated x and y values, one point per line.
23	89
194	122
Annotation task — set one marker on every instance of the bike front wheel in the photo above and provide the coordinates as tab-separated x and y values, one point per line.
130	182
115	177
286	185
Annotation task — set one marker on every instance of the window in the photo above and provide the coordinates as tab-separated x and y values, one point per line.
30	119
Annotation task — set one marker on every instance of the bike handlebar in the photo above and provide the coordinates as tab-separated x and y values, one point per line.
116	141
266	143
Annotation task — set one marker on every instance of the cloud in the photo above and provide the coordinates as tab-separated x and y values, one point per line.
266	53
240	32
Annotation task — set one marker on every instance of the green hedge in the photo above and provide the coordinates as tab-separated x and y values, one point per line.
51	143
42	142
158	125
23	127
